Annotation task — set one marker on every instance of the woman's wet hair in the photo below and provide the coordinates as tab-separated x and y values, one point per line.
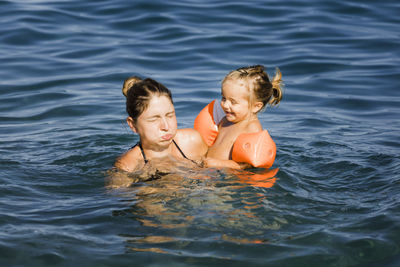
259	85
139	92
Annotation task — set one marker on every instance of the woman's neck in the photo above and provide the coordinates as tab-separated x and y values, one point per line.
157	151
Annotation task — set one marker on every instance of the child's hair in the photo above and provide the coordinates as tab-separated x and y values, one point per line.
139	92
259	85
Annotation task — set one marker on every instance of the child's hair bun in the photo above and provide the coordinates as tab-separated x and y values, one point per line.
128	83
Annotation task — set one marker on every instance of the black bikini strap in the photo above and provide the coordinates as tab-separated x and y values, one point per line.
183	154
141	149
144	155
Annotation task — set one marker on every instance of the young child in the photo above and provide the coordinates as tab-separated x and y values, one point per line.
245	92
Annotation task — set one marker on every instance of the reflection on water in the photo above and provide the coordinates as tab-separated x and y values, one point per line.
227	205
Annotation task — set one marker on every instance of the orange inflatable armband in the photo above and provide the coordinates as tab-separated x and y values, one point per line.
206	123
258	149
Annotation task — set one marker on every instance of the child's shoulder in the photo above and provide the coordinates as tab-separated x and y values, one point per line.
191	141
253	126
187	134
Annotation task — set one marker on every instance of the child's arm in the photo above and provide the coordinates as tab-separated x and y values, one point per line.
223	163
191	143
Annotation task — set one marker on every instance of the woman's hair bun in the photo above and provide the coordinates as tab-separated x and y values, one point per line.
128	83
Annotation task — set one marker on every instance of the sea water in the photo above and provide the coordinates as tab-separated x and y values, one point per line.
335	200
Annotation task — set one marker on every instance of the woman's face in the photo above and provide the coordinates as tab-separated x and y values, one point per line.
157	125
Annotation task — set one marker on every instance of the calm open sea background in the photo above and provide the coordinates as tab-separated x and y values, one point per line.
336	198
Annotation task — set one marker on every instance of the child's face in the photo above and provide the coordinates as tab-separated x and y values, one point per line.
157	125
235	100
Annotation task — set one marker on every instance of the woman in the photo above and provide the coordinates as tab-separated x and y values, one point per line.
152	116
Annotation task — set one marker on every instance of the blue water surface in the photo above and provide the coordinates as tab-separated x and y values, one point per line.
335	200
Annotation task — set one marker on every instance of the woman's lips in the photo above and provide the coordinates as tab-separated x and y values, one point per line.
167	137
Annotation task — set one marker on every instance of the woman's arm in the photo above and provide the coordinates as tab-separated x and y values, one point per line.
118	179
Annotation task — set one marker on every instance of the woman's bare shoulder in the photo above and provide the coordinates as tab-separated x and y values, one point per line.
129	161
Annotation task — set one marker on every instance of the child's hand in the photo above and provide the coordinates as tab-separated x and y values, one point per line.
210	162
200	162
220	163
244	165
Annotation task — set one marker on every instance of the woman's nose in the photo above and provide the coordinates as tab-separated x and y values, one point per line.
164	124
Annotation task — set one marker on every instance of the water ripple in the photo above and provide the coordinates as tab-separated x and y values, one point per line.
334	200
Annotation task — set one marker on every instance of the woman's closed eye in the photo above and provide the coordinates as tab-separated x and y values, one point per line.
153	119
171	114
